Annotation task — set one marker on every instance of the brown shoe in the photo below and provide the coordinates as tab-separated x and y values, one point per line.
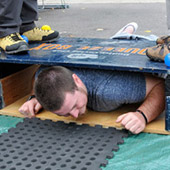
163	40
158	52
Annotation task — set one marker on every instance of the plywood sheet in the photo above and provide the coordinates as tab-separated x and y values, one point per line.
106	119
16	86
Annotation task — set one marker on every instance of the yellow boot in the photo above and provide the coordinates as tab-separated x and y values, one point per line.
13	43
40	35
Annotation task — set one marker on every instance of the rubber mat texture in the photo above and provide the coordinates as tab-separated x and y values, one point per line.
46	145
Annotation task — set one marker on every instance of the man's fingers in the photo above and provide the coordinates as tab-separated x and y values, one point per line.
23	111
136	129
120	118
31	113
31	110
27	110
37	108
126	119
26	114
133	128
129	124
140	129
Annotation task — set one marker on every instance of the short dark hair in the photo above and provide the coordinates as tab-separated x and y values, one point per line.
51	85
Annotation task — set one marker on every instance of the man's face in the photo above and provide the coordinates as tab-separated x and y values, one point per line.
74	103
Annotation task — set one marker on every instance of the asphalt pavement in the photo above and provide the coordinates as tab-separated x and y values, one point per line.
102	20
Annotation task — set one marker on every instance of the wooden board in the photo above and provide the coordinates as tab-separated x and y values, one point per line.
105	119
16	86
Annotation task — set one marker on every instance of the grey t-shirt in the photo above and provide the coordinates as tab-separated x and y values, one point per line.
108	90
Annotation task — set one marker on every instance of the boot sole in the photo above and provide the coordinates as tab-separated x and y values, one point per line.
22	48
46	41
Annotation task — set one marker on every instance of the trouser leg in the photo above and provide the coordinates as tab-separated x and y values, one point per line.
10	20
29	14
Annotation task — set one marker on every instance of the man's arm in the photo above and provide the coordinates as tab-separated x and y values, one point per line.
31	107
152	107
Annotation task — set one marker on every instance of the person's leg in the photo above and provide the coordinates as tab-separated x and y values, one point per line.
29	14
166	39
10	21
158	52
28	28
168	14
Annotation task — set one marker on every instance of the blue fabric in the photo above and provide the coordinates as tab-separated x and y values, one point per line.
108	90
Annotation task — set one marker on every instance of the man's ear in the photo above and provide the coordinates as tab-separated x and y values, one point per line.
76	79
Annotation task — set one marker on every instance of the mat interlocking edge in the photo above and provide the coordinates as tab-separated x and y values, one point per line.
105	119
47	145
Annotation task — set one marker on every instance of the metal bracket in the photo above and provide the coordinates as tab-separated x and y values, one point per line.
62	6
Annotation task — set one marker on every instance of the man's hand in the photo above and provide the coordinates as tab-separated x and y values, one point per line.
30	108
132	121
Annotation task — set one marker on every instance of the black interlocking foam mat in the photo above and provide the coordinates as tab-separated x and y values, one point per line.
45	145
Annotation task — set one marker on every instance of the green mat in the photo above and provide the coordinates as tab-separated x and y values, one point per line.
7	122
139	152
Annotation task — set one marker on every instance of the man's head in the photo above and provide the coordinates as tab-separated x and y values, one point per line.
61	91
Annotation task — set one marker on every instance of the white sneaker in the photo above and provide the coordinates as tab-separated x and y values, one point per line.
122	30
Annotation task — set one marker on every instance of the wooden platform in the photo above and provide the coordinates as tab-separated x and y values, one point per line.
108	54
106	119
